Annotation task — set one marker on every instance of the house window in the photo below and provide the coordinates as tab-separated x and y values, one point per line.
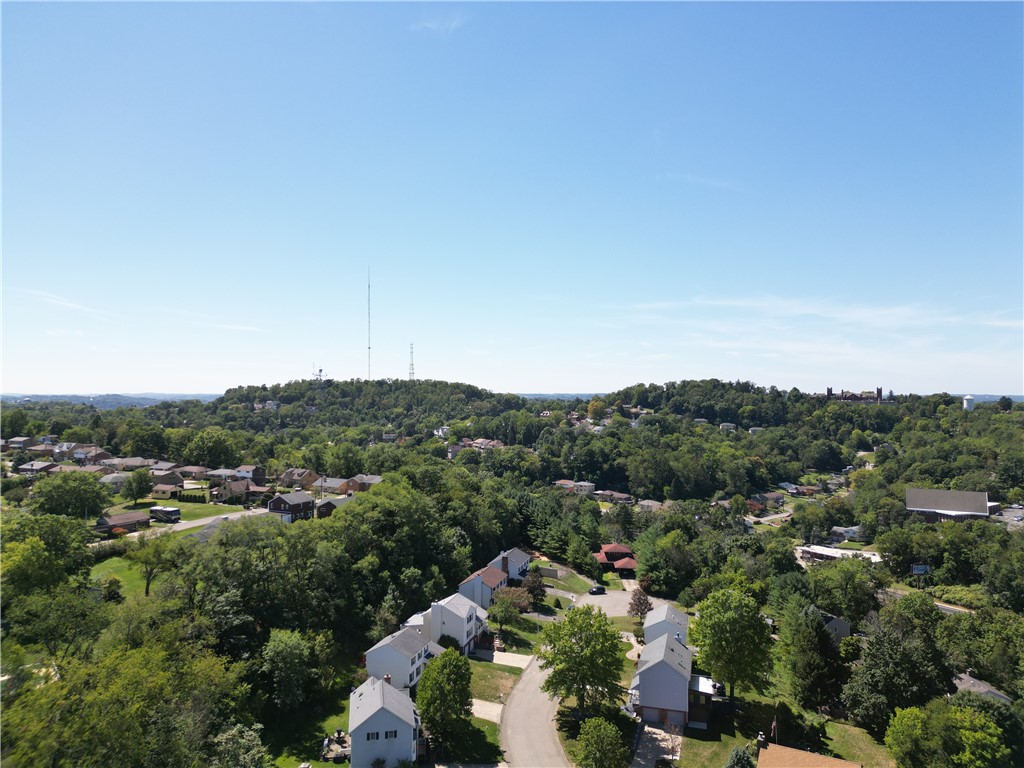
411	675
469	619
390	734
373	735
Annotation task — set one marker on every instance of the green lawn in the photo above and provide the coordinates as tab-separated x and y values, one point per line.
570	582
612	581
856	745
189	510
298	739
479	745
132	581
851	545
492	682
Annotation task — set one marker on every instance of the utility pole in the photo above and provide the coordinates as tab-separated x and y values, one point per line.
412	369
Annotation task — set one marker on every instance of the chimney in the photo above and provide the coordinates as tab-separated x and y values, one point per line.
504	563
387	679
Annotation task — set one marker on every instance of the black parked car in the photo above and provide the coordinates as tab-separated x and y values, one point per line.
598	590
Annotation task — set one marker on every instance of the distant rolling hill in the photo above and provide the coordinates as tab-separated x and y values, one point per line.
110	401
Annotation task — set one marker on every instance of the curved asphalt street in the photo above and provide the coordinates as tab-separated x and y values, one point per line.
528	735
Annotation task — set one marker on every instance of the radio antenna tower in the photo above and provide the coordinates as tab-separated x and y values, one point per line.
318	373
412	369
368	368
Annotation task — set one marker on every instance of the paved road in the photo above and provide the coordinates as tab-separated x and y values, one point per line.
614	602
944	607
528	735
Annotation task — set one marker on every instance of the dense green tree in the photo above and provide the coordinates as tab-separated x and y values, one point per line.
733	639
846	587
600	745
443	696
943	735
212	447
64	621
240	747
534	585
137	485
503	612
284	662
810	657
581	653
75	494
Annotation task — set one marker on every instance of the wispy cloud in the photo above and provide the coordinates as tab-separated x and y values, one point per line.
63	303
441	26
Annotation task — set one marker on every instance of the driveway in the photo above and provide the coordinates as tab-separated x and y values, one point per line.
528	735
614	602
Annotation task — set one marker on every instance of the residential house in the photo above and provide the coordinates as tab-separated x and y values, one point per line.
223	474
114	481
945	506
167	478
790	487
727	426
841	533
815	553
612	553
755	430
660	690
838	627
232	492
649	505
295	477
21	443
456	616
335	485
584	488
614	497
165	491
325	507
92	456
401	657
481	585
966	682
384	725
666	620
514	562
360	483
40	451
160	467
772	499
193	472
136	462
294	506
33	468
64	451
257	474
127	521
91	469
565	485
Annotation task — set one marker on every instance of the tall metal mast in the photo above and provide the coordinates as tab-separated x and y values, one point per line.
412	370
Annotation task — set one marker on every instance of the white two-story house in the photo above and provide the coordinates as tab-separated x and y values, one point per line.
456	616
660	691
513	562
401	657
383	724
481	585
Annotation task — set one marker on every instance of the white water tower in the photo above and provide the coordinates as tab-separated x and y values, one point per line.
968	403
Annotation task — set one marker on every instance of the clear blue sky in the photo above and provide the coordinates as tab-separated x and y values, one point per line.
549	197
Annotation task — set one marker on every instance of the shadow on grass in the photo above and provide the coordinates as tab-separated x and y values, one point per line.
513	639
470	746
754	717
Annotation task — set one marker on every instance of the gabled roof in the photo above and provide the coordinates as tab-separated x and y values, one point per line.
368	479
462	606
934	500
492	577
666	612
666	651
625	564
375	695
407	642
296	497
615	548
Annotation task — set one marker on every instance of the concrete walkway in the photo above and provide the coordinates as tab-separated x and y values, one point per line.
487	710
503	657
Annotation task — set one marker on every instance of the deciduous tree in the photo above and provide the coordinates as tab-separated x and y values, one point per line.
733	639
443	696
137	485
639	604
582	653
600	745
75	494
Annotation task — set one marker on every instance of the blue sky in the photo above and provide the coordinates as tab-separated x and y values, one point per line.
549	197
